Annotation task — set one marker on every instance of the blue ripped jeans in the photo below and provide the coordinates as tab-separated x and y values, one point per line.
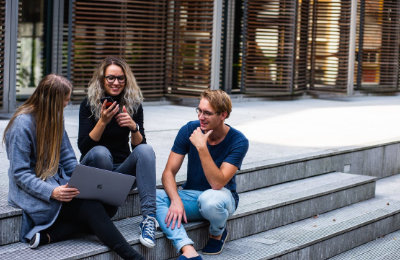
213	205
141	163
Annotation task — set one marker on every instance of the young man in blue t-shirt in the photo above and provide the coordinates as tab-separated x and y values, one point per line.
215	152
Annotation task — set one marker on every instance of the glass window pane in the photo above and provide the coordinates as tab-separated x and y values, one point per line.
30	47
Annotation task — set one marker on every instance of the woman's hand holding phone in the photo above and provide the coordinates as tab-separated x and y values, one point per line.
108	112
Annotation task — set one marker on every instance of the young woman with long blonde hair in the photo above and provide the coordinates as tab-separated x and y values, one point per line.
111	135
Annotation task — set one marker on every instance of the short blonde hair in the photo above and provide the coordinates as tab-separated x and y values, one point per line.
219	100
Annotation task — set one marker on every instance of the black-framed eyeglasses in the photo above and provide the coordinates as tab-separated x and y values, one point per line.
112	78
205	113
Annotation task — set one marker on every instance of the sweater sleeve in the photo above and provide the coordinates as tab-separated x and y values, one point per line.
138	117
86	125
20	143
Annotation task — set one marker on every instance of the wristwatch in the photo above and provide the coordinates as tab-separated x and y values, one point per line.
137	129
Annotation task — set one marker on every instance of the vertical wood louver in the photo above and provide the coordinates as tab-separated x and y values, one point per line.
302	64
134	30
189	46
66	46
269	54
329	44
2	32
378	45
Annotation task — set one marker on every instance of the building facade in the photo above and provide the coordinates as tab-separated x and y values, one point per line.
178	48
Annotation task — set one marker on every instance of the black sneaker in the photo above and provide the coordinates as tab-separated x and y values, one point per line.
35	241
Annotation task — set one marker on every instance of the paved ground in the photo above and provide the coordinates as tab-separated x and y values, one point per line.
277	130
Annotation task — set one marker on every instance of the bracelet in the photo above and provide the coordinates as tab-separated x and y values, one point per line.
137	129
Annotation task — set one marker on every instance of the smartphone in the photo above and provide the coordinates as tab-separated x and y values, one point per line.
110	101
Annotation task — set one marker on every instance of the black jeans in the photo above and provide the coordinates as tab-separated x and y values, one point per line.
81	215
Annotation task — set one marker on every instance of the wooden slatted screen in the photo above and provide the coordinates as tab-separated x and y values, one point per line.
269	47
132	29
389	56
379	49
189	46
2	33
329	44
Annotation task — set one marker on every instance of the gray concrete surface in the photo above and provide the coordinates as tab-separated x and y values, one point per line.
269	208
277	130
331	233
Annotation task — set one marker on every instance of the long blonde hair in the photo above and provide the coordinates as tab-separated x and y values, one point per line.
131	96
47	106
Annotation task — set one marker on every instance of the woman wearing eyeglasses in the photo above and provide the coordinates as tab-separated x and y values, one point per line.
111	135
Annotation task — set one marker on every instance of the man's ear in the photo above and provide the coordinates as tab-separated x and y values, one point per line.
224	115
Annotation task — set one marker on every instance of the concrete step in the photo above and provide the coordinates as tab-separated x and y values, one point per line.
247	180
327	235
258	211
384	247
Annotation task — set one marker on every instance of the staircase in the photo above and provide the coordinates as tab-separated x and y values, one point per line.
311	216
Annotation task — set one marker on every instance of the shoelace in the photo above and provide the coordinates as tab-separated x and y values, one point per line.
148	226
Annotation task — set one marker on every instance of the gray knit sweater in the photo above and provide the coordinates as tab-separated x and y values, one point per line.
26	191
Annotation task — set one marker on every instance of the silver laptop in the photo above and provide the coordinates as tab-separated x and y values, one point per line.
103	185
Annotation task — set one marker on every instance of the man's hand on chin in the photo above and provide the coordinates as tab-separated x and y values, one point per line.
198	139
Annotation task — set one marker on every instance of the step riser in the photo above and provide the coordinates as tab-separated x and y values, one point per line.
10	230
130	208
264	177
384	247
260	178
341	243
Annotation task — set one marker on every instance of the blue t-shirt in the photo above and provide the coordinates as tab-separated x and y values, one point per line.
231	150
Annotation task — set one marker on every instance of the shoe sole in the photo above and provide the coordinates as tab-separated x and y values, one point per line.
145	243
36	243
222	248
